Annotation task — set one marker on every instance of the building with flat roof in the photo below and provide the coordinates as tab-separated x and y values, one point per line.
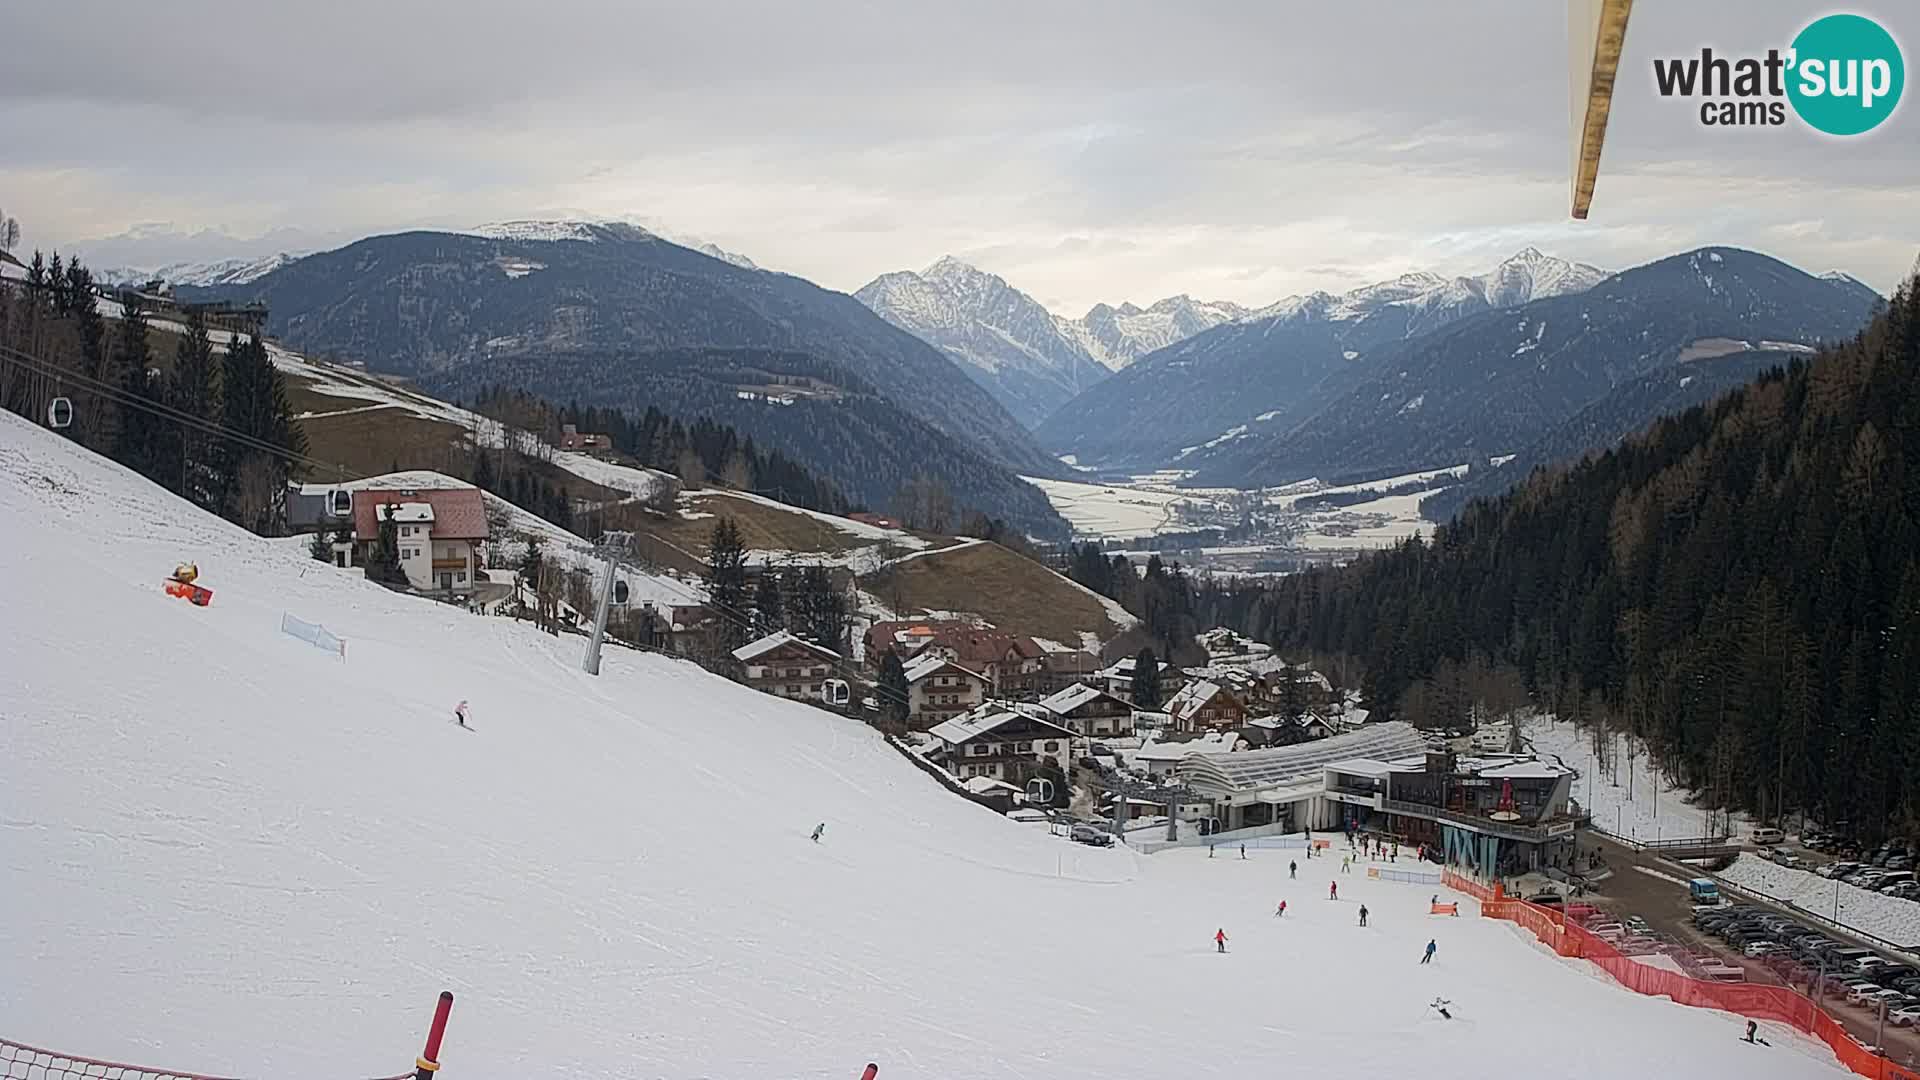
1286	786
1494	814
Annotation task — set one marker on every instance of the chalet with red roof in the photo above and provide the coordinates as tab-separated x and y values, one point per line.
438	531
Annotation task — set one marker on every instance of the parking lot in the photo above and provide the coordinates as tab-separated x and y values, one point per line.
1654	891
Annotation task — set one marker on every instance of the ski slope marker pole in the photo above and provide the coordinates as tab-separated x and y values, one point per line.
428	1062
872	1071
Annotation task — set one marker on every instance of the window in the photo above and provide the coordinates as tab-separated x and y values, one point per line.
460	575
1024	748
1053	747
976	750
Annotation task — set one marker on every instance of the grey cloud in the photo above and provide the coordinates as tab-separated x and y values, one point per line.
1087	151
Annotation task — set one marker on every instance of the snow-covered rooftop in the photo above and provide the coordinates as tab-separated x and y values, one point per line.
746	653
1071	698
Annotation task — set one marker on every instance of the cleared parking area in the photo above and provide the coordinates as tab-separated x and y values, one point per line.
1654	891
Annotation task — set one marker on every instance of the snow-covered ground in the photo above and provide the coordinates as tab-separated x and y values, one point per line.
1152	504
1632	802
1884	917
258	860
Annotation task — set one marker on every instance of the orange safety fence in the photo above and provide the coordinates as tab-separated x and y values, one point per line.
1445	909
1775	1003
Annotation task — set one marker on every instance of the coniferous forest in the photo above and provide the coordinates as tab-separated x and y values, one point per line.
1739	584
210	422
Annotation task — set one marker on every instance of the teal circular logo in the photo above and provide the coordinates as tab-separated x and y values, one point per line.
1847	74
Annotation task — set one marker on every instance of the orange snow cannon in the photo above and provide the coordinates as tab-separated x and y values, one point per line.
182	584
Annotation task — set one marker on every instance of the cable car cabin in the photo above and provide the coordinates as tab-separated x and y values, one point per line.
836	693
60	413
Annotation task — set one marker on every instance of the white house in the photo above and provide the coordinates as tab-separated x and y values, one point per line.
1001	744
1085	710
939	689
438	533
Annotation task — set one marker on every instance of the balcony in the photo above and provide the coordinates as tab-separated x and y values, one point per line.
1560	825
449	564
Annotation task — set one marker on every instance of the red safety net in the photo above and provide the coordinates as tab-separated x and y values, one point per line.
1775	1003
19	1061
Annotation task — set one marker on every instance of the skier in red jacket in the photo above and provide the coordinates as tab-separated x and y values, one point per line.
1220	939
1333	890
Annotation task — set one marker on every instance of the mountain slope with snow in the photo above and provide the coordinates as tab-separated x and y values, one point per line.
999	335
221	272
1118	336
1282	361
258	859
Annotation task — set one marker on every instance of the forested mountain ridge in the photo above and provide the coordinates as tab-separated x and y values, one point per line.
812	412
1739	584
431	303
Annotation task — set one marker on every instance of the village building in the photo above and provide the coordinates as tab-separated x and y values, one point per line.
1285	789
1157	759
1089	712
572	438
1001	744
786	666
1496	814
939	689
438	533
1204	705
1117	679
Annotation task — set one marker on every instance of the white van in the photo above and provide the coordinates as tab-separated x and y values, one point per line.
1764	835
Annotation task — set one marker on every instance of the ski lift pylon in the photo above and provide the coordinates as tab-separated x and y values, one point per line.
60	413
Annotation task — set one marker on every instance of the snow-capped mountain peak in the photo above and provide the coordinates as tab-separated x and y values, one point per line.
221	272
544	231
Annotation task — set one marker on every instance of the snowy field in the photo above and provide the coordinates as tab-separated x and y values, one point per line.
1152	504
1884	917
230	852
1632	802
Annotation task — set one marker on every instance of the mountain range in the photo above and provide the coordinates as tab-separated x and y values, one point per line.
1280	359
1030	359
458	309
1506	380
201	274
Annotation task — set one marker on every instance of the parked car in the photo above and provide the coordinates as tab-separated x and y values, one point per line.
1089	835
1838	870
1904	1017
1766	835
1856	990
1761	947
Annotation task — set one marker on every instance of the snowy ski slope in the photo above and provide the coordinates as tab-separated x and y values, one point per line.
227	851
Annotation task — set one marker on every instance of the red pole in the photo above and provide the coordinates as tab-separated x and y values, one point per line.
872	1071
429	1060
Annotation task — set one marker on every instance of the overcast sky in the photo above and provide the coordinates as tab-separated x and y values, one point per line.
1086	151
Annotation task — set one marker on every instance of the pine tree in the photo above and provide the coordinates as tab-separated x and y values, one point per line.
193	390
1146	681
895	699
769	607
727	583
138	439
254	404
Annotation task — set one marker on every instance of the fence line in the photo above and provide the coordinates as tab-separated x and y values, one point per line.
18	1061
313	634
1775	1003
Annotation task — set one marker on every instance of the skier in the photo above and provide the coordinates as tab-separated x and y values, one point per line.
1209	851
1281	910
1363	914
1243	851
818	830
1346	865
1751	1028
1333	890
1440	1005
1293	869
1428	958
1220	939
460	715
